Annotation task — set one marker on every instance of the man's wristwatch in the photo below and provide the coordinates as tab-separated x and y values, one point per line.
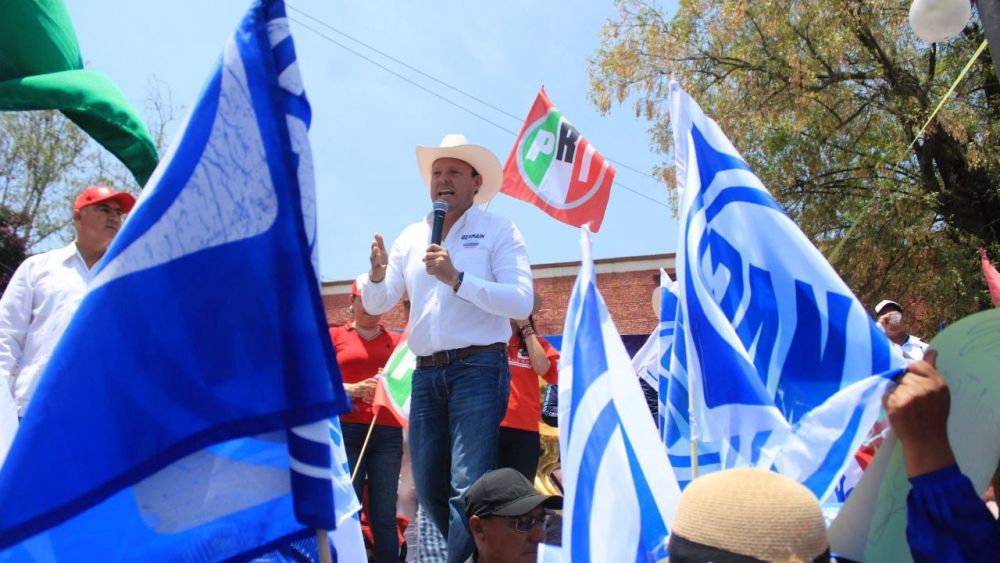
458	284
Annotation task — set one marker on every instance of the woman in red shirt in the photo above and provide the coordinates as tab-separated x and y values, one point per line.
529	357
363	347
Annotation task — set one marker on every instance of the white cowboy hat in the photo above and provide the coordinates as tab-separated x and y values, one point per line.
481	158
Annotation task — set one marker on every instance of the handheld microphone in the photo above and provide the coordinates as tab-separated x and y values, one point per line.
440	208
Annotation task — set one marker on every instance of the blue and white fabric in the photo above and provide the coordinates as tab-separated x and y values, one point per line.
620	493
786	369
647	359
160	429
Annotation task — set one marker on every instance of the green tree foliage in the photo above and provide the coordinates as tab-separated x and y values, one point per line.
823	98
46	160
42	160
12	247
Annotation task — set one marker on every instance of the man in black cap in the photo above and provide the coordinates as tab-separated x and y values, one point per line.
507	517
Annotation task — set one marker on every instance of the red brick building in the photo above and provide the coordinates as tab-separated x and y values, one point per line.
626	284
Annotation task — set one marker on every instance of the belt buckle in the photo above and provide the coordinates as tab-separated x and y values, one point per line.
441	358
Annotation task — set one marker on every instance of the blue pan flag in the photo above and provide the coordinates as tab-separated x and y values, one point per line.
192	389
615	469
786	369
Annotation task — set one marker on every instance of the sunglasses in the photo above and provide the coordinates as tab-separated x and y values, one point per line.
524	523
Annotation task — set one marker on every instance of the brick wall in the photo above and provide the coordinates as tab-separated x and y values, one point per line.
337	312
628	295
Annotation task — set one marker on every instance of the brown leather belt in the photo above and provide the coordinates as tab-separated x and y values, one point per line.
445	357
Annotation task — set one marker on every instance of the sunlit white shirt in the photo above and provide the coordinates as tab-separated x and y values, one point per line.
496	286
913	348
35	308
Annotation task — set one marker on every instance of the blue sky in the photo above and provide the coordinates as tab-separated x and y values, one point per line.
366	121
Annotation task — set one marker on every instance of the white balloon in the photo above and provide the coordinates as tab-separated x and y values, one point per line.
935	20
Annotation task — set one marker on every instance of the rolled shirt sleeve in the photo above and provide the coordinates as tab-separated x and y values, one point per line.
510	296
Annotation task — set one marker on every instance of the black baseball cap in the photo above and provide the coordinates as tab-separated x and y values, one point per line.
505	492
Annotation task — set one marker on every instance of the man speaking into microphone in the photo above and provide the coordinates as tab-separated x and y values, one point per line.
463	289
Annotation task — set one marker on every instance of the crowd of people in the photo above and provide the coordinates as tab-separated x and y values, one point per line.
473	430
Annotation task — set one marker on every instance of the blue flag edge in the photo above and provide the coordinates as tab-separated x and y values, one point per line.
279	103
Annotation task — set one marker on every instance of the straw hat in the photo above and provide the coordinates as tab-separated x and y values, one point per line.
457	146
748	513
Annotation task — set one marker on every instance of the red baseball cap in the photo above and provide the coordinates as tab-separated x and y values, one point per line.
97	194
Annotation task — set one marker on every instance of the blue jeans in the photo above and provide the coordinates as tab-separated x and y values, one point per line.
455	414
520	450
380	469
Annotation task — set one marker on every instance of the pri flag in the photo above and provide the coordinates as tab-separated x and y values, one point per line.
396	384
184	414
620	492
785	367
555	168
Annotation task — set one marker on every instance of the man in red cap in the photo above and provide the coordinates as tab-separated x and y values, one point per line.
47	288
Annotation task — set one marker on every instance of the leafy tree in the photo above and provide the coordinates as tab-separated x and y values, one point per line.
41	163
45	160
823	98
12	248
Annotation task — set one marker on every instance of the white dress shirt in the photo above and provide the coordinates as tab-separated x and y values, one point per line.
35	308
496	284
913	348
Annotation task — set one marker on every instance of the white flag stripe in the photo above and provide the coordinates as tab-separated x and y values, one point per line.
615	470
782	362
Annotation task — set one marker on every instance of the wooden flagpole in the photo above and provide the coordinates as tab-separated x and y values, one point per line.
364	447
323	543
693	425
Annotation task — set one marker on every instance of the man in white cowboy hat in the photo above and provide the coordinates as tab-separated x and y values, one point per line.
462	292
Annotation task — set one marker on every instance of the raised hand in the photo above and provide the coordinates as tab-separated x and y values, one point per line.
379	260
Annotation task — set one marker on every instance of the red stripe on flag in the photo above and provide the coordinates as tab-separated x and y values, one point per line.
382	403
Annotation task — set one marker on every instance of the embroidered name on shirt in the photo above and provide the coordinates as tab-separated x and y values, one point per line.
472	240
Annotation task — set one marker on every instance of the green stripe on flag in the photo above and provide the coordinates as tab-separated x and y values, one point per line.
41	68
399	376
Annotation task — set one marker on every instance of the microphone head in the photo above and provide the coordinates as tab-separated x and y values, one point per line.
440	206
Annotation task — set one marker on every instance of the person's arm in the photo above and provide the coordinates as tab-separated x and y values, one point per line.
946	519
383	285
364	390
15	318
536	354
918	407
552	377
511	294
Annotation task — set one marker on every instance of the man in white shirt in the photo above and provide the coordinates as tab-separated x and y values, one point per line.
889	316
462	292
46	289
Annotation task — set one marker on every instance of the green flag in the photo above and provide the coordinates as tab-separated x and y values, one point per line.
396	383
41	68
